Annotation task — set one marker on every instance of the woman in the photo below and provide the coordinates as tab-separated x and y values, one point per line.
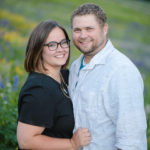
45	110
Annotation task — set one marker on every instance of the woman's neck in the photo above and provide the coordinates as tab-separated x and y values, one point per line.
53	72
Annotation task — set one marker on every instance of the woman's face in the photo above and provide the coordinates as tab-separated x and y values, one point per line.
55	55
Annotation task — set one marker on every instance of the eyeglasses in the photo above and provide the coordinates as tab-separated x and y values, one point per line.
52	46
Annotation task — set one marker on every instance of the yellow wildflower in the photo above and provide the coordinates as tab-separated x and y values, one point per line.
18	70
3	61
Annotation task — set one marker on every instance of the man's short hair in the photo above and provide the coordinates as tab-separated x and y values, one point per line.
90	8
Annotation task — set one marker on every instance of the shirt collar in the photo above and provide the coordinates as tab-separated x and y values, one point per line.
99	58
78	63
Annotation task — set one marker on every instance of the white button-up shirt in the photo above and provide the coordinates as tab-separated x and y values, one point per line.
107	97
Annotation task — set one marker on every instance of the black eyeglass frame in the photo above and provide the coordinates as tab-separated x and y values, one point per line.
58	43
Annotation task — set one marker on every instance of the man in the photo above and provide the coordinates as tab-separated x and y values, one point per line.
105	86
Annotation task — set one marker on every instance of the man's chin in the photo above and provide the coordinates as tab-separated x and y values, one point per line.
86	51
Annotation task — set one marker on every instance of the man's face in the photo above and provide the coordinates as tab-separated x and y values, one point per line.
88	36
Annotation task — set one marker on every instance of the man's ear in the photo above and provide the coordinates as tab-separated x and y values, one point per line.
105	28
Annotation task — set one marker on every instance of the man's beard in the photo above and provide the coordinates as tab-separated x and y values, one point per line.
93	50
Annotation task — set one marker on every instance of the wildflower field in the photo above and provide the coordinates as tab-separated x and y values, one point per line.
129	30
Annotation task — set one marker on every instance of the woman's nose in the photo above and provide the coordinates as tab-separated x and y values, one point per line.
59	47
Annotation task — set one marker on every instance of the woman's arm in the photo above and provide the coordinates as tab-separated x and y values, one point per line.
30	137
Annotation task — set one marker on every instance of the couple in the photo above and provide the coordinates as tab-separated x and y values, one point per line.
105	107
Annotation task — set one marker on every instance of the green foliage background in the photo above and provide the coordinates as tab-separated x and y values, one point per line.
129	30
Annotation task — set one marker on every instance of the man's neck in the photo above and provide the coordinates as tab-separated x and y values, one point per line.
88	57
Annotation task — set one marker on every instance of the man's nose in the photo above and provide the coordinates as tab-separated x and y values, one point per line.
83	34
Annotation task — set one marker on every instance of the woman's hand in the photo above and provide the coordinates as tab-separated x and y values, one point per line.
80	138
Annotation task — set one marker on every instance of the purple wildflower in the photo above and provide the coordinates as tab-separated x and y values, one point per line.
1	83
5	98
15	82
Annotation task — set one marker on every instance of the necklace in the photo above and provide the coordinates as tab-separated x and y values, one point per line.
64	87
54	76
